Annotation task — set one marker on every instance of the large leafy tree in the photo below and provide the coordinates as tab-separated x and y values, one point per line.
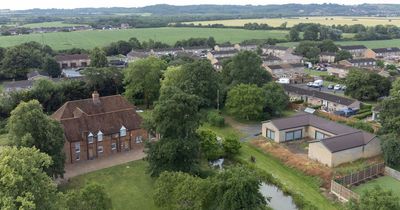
173	154
107	80
365	85
198	78
236	188
391	147
91	197
23	183
51	66
376	198
294	35
246	101
142	79
19	59
276	99
98	58
245	68
29	126
209	145
343	55
180	191
176	113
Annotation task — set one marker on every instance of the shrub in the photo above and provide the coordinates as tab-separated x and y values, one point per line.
231	145
215	119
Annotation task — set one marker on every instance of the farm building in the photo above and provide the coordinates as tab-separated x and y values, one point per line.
330	143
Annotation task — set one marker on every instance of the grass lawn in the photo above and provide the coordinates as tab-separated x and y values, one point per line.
293	179
91	39
386	182
128	185
223	132
3	139
51	24
331	20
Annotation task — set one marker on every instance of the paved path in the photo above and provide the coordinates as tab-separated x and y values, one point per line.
249	130
72	170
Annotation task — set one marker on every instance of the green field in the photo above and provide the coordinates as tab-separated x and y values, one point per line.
128	185
91	39
386	182
331	20
369	44
50	24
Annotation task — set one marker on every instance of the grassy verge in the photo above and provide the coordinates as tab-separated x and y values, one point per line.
223	132
128	185
306	186
386	182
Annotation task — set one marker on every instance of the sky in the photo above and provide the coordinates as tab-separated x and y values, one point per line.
28	4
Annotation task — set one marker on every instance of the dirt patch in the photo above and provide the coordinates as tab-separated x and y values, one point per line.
299	161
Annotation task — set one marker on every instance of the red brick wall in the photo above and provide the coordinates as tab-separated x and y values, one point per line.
125	143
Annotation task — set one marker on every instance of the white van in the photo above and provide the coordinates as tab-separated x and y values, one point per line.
318	83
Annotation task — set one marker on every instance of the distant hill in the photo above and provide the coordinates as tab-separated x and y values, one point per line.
231	10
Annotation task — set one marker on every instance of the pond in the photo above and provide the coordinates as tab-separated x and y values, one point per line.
279	201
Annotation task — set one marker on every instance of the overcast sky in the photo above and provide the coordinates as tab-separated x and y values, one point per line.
28	4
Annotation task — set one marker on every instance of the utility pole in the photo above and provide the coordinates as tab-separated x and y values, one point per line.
218	99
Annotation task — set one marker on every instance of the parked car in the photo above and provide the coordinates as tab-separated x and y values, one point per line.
310	84
318	83
330	86
344	87
337	87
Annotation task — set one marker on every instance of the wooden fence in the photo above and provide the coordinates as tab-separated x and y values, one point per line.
360	176
340	186
342	192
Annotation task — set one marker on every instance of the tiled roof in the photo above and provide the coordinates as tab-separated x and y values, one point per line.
345	136
353	47
71	57
319	94
386	50
108	116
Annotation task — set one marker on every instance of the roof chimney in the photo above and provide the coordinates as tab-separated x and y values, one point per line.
96	97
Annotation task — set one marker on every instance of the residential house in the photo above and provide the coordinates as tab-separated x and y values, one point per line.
198	51
358	51
328	102
389	53
359	63
286	70
275	50
271	60
35	75
71	73
135	55
331	143
166	51
248	47
73	61
216	56
327	57
226	47
99	127
338	70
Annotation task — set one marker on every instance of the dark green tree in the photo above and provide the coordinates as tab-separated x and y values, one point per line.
142	79
276	99
231	145
246	101
107	80
90	197
209	145
51	66
98	58
343	55
390	146
28	126
245	68
294	35
365	85
23	183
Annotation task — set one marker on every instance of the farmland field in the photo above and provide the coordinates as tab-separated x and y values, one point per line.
330	20
91	39
50	24
386	182
369	44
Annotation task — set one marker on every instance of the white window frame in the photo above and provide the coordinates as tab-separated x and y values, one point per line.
100	149
113	146
90	138
77	147
138	139
100	136
122	131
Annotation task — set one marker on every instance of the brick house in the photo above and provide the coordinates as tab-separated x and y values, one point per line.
73	61
99	127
